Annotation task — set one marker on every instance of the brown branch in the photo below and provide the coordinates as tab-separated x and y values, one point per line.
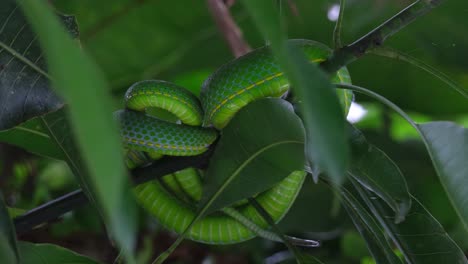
228	27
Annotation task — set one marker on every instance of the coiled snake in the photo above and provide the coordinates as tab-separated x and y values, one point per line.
234	85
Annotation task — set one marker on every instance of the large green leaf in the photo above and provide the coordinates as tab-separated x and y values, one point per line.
24	87
447	144
326	144
8	248
374	170
50	254
420	237
33	136
81	83
259	147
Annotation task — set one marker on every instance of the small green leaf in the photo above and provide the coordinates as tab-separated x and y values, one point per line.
33	136
25	87
8	248
447	144
50	254
321	112
374	170
259	147
81	83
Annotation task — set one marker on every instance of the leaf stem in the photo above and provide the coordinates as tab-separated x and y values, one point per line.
380	98
338	26
377	37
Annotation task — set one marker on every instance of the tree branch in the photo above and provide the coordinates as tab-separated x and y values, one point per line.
68	202
376	37
227	26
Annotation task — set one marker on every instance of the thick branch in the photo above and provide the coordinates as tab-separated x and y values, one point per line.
376	37
66	203
227	26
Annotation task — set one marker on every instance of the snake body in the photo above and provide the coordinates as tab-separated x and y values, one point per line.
172	200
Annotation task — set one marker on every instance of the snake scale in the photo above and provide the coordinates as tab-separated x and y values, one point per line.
172	200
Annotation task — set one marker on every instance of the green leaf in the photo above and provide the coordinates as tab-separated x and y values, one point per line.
245	163
50	254
85	89
259	147
447	144
420	237
321	112
367	226
398	55
25	89
8	248
33	136
374	170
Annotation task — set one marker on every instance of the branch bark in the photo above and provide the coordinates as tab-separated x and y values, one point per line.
228	27
376	37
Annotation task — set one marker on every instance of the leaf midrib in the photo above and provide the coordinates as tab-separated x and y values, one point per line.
242	166
23	59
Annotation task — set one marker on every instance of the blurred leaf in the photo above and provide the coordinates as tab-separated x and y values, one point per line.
302	258
50	254
447	144
374	170
353	246
398	55
254	153
33	136
14	212
367	226
323	119
24	87
420	237
172	31
8	249
85	89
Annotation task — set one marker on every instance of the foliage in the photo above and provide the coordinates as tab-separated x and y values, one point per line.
397	177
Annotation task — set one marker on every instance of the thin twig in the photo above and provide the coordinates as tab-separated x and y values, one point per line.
376	37
338	26
68	202
227	26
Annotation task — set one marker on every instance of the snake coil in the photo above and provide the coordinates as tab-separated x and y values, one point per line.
172	200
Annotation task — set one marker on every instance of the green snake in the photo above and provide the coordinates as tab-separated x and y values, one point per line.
172	200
